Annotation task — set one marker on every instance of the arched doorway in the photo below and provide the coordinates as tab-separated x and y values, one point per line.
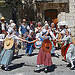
51	14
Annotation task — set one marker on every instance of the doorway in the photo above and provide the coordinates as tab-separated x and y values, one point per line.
51	14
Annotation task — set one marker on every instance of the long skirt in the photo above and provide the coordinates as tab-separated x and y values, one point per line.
44	58
70	55
6	57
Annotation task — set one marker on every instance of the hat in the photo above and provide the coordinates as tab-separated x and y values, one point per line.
40	23
52	24
11	21
47	46
8	44
47	24
2	18
24	20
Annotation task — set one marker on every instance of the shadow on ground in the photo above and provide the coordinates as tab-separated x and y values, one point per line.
16	66
18	57
49	69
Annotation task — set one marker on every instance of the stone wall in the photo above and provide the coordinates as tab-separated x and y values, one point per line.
70	17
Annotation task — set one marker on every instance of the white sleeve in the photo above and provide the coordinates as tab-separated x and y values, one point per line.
53	37
36	30
39	39
28	27
1	39
66	38
19	30
3	36
16	37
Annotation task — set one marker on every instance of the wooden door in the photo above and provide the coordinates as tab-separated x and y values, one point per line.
51	14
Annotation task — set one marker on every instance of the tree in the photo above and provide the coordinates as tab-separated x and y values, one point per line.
28	10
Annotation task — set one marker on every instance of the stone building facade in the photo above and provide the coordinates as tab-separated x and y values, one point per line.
63	10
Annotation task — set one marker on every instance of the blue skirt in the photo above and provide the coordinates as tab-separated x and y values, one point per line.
6	57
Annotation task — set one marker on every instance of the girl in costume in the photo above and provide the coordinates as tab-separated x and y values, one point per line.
69	49
43	57
8	50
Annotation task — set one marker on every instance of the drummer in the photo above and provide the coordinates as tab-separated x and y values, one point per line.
40	59
52	37
43	57
8	50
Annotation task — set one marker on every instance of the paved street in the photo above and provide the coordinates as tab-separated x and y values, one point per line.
26	65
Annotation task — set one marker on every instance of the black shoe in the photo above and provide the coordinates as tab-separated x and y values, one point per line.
2	67
37	70
69	65
45	70
72	68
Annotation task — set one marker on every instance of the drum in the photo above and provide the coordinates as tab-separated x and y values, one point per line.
47	46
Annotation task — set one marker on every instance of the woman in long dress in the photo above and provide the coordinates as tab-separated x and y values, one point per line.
43	57
70	49
7	54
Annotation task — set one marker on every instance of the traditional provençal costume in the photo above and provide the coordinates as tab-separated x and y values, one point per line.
69	50
7	54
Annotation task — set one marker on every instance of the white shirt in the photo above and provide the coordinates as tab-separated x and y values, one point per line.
3	26
14	37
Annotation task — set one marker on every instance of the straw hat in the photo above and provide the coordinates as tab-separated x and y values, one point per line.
47	46
2	18
24	20
8	44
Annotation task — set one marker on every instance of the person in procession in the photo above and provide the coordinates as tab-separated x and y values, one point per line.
8	50
69	49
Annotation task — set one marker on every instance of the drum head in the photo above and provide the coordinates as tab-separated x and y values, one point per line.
47	46
73	40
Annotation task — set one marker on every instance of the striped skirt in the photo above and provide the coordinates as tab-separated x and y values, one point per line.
44	58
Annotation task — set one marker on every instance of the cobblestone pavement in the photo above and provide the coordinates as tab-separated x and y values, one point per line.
25	65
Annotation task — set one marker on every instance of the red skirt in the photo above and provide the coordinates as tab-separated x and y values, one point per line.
44	58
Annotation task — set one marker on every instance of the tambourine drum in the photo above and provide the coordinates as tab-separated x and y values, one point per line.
73	40
47	46
62	49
